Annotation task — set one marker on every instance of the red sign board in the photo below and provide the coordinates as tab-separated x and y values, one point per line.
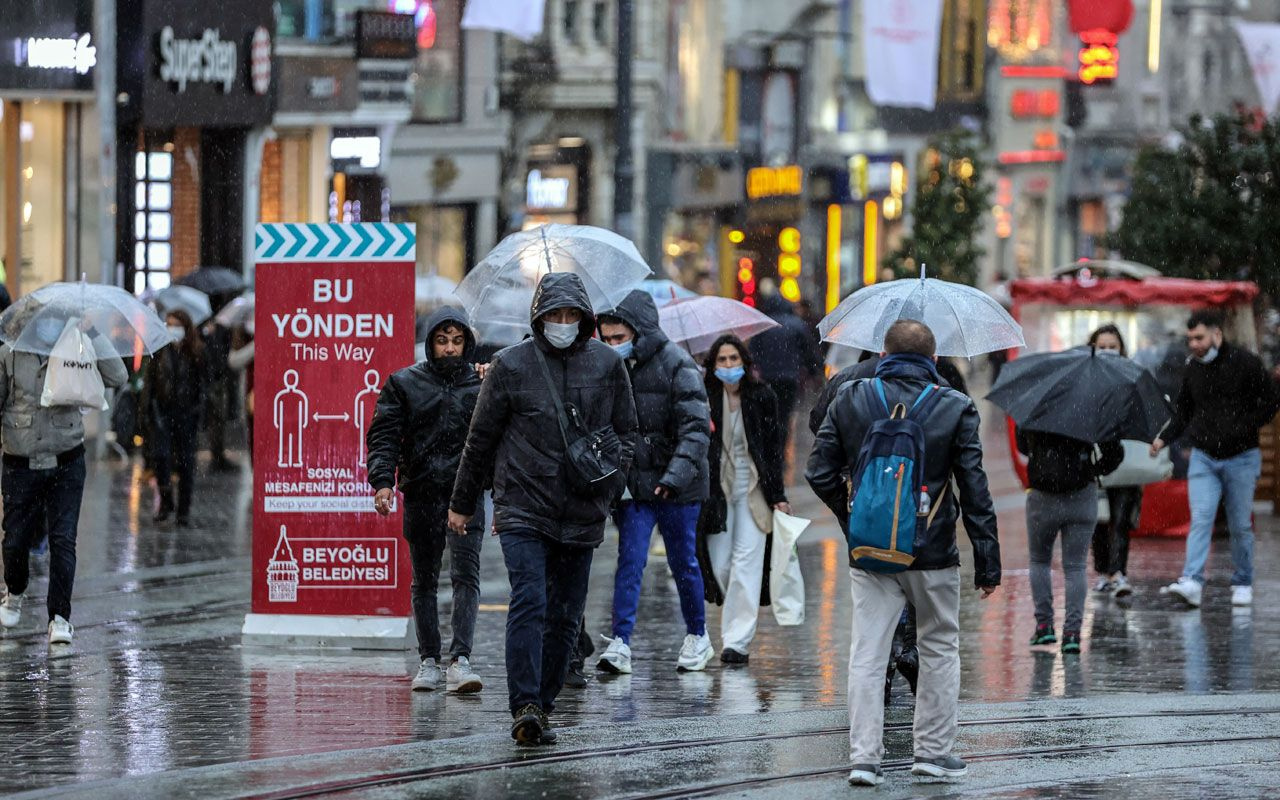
334	316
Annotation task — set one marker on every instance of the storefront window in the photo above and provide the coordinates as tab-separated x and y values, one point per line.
689	249
41	208
153	217
444	235
437	75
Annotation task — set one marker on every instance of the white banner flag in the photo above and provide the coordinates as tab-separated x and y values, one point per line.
902	39
520	18
1261	42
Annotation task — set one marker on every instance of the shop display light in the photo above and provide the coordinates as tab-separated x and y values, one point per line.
789	263
747	280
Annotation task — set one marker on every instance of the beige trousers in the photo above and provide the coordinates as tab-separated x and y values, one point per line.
878	600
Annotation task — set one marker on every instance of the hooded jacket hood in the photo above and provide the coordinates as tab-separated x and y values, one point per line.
640	314
446	315
561	290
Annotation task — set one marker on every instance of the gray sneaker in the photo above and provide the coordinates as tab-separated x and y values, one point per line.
866	775
946	767
461	678
428	678
10	609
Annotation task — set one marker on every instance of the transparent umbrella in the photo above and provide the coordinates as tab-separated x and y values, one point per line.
434	290
966	322
497	294
184	298
697	322
214	280
122	326
238	312
665	290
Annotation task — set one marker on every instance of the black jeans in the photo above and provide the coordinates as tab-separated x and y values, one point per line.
175	451
425	528
37	501
216	399
548	594
1111	539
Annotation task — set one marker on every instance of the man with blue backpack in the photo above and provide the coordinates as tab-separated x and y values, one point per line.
899	460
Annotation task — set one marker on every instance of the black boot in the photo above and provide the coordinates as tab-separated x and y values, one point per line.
529	726
576	678
166	508
908	663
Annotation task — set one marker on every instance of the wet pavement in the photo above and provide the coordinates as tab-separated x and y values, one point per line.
157	681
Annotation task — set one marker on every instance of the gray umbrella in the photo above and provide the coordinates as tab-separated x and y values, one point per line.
965	321
214	280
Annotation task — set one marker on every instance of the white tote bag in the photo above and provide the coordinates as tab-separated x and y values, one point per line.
72	377
786	583
1138	467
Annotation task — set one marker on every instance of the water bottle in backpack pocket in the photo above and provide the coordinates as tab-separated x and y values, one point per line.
889	504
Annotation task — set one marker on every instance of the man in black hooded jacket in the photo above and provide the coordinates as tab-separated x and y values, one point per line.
415	440
548	528
668	482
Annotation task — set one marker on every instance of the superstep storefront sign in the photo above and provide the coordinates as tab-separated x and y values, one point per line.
334	316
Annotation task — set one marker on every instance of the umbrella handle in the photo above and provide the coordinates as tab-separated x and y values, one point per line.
922	268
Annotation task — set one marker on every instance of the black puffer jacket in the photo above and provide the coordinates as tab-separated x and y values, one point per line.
671	407
421	421
515	429
866	368
953	450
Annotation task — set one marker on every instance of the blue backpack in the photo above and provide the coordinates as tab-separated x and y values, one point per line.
885	513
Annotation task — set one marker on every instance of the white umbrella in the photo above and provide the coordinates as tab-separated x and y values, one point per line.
965	321
697	322
498	293
238	312
185	298
122	325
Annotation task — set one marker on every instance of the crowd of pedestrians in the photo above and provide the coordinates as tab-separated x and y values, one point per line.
595	417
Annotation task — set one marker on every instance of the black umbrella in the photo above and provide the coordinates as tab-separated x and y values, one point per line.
215	280
1084	394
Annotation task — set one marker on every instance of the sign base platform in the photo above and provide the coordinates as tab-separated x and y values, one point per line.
308	630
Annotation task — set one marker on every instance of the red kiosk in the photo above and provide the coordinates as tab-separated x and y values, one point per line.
1151	310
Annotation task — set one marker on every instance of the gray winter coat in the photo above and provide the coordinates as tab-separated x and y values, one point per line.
31	431
671	406
514	426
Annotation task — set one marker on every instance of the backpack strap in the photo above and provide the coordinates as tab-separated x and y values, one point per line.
925	403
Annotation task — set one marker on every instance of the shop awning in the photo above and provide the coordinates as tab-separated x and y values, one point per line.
1130	293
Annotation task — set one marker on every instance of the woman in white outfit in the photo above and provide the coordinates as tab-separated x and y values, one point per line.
734	529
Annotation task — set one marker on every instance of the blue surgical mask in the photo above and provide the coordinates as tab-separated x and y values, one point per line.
624	350
730	375
1209	356
560	334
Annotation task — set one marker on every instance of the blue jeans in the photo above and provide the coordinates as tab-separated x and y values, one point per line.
677	522
1232	481
36	502
548	593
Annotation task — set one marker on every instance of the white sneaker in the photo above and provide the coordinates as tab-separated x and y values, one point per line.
695	654
616	657
1241	595
1188	589
461	678
1121	586
10	609
428	677
60	631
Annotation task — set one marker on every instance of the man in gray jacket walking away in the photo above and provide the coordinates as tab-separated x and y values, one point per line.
43	478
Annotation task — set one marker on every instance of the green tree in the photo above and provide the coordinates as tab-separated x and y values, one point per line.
1208	208
950	200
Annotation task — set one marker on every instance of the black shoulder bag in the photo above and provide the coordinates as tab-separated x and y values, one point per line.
593	457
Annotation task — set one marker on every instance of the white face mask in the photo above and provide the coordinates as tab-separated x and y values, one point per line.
1209	356
560	335
177	332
